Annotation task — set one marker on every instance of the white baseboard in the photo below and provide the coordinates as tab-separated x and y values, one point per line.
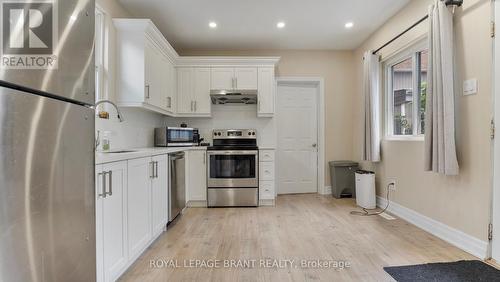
451	235
266	203
327	190
197	204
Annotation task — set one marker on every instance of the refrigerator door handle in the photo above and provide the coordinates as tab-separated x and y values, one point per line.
110	193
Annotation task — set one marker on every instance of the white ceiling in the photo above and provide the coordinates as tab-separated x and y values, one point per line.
251	24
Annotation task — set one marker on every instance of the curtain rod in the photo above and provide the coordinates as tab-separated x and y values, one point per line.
448	3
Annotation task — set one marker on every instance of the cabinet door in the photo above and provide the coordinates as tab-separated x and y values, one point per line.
171	78
197	175
159	191
164	81
222	78
98	224
152	76
266	92
201	95
114	219
245	78
139	206
185	103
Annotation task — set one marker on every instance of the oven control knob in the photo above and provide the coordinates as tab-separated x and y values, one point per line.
249	133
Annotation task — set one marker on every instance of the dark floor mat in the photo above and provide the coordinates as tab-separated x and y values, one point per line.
459	271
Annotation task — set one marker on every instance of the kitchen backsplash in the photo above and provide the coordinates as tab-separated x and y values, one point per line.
137	131
236	116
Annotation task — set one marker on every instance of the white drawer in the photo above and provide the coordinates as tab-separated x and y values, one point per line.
266	171
266	155
266	190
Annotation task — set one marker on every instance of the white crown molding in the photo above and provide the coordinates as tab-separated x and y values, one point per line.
449	234
223	61
147	27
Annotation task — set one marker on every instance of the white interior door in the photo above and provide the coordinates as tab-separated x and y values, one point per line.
297	123
495	246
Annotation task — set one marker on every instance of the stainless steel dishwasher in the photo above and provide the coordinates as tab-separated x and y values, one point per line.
177	185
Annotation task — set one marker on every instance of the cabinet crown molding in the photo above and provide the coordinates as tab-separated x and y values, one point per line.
225	61
147	27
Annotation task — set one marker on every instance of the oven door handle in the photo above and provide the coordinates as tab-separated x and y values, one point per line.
225	153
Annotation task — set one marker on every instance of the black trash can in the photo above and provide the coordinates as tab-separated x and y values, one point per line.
342	175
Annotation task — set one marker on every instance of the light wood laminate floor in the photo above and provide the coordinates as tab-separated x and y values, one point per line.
300	227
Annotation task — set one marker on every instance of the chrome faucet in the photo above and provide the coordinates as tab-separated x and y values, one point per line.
119	114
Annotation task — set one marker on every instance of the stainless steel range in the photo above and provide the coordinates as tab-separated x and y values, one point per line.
233	172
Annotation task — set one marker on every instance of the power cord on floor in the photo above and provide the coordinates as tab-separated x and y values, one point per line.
366	212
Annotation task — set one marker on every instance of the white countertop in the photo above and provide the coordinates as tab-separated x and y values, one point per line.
102	157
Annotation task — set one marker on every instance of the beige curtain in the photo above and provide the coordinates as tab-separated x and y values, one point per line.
440	151
371	109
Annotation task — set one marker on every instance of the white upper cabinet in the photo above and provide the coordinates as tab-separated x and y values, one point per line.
151	75
185	90
193	91
222	78
154	83
245	78
201	93
267	90
145	65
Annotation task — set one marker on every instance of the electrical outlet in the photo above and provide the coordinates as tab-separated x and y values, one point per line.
393	186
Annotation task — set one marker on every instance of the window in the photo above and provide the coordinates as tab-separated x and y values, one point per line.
406	89
99	54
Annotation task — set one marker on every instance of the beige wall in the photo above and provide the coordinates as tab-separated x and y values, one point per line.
337	70
462	202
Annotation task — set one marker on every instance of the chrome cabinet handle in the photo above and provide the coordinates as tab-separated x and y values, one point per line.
169	102
156	169
147	91
102	175
152	175
195	106
110	193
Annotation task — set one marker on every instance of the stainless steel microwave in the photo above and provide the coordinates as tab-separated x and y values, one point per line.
176	137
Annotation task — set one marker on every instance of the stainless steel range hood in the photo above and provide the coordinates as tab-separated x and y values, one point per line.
221	97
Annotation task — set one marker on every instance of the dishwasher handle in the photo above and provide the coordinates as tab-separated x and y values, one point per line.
176	156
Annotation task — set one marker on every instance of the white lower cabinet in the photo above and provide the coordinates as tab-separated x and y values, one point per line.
196	176
139	205
267	191
159	194
131	211
111	220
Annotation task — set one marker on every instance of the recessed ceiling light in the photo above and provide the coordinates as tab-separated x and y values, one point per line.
349	25
280	25
212	24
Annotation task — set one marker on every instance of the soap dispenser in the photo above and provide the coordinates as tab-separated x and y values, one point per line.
106	143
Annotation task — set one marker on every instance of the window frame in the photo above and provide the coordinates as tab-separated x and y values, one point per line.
99	53
410	52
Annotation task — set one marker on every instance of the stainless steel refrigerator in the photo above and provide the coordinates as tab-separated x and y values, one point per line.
47	203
